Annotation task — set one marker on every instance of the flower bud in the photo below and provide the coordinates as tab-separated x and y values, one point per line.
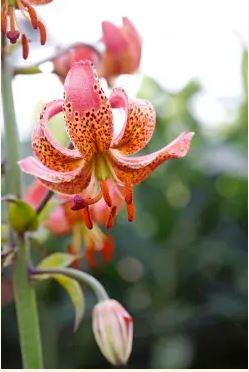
113	331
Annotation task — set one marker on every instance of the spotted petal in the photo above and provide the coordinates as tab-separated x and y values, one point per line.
46	149
87	111
139	127
135	169
70	182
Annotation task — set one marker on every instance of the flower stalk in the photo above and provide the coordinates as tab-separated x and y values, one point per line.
80	276
25	300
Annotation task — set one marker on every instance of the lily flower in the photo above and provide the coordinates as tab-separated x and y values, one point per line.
9	24
98	154
122	49
76	53
113	331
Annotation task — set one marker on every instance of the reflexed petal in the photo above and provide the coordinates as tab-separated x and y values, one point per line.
135	169
87	110
134	41
39	2
71	182
119	100
139	127
46	149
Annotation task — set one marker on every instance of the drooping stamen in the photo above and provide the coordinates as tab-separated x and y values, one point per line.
131	211
90	255
105	193
25	46
111	218
128	193
13	34
80	203
87	218
3	21
108	249
43	32
73	251
33	16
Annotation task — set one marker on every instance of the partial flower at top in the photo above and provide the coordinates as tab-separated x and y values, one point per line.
98	154
76	53
122	49
9	24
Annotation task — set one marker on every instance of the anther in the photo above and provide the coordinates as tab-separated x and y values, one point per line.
87	218
111	218
105	193
25	47
43	33
131	211
33	16
128	193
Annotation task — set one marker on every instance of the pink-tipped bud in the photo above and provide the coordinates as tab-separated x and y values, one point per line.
113	331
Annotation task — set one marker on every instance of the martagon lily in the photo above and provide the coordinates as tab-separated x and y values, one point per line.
98	154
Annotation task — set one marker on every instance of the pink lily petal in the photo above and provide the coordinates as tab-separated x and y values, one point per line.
123	49
119	100
78	52
87	111
135	170
35	194
46	149
139	128
57	222
71	182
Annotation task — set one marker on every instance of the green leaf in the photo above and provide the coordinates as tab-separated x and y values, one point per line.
54	261
75	293
22	217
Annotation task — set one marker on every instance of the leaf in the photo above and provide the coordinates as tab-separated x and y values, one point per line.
75	293
53	261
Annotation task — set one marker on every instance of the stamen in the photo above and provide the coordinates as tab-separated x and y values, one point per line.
105	193
108	249
79	203
73	251
3	21
131	211
90	253
43	32
25	47
87	218
128	193
33	16
13	36
111	218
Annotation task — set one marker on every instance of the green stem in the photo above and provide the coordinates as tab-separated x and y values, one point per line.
26	309
25	301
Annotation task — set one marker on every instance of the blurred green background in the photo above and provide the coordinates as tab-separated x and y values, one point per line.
180	269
